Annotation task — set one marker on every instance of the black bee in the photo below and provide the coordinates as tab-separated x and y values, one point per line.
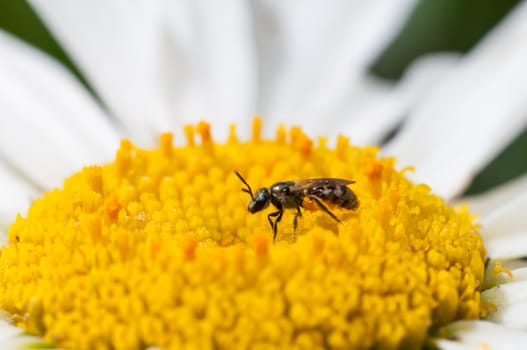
291	194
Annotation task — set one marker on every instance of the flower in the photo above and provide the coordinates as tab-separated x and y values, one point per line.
155	250
428	92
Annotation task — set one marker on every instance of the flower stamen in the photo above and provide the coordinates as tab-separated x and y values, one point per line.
158	249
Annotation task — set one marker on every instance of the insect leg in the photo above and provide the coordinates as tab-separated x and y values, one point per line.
273	214
295	222
274	225
323	207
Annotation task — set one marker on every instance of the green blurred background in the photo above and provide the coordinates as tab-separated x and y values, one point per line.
435	25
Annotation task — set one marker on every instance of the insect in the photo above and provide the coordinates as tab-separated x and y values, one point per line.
291	194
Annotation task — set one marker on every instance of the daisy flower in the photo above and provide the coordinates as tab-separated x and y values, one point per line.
148	243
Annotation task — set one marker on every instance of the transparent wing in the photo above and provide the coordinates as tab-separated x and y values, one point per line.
301	185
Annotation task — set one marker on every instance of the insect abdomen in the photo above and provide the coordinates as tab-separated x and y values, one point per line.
339	195
349	200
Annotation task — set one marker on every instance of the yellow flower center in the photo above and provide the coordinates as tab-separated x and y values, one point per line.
158	249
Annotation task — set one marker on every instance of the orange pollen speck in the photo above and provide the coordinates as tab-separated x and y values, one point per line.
166	140
374	169
304	144
112	206
203	129
189	246
261	245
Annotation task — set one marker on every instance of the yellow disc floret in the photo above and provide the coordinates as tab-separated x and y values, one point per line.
158	249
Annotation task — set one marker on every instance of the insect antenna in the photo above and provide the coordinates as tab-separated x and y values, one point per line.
248	189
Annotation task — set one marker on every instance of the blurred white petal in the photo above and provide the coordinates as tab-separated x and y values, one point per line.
444	344
482	335
193	60
520	274
183	61
370	114
7	330
26	342
12	337
119	46
511	246
214	73
518	269
511	302
472	115
485	203
50	125
319	52
16	196
504	230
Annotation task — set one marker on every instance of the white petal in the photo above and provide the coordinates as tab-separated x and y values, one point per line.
315	53
50	125
472	115
25	342
7	330
512	245
504	230
519	274
12	337
445	344
216	73
371	113
518	269
120	48
16	196
511	302
482	335
485	203
493	280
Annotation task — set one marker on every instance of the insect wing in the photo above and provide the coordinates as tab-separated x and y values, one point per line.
301	185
